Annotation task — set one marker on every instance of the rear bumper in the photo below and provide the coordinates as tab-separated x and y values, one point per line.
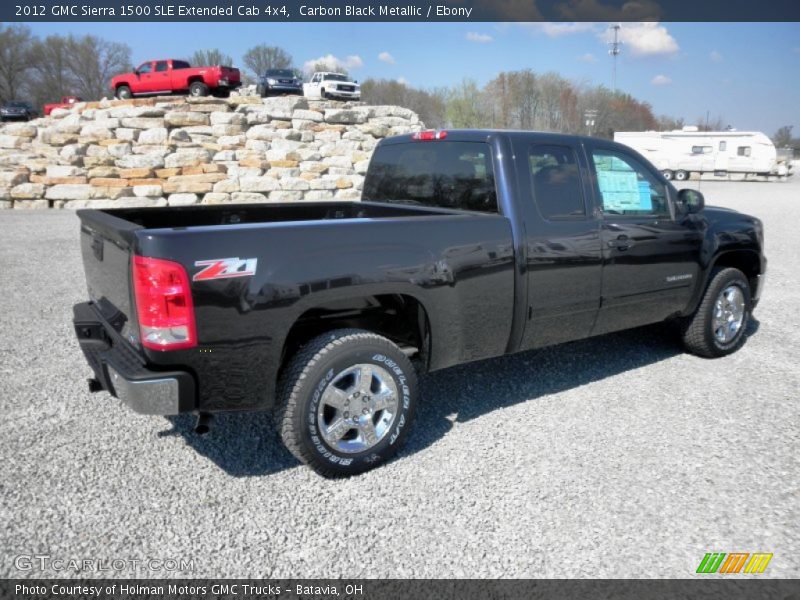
122	372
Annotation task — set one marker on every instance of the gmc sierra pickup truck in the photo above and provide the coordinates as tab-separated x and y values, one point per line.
466	245
175	76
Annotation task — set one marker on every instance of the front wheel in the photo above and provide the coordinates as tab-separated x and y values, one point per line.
124	92
347	400
718	327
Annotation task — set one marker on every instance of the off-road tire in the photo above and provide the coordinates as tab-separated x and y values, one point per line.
306	377
698	334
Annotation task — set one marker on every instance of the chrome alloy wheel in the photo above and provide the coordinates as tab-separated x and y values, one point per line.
357	408
729	311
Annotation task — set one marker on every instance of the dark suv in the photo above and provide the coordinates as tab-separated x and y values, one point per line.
17	110
279	81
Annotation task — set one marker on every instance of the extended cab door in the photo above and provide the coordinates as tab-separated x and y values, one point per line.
651	255
161	77
564	257
145	83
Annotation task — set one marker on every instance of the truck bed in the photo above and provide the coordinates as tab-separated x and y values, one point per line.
234	214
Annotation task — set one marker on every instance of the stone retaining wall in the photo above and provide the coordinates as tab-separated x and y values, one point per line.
177	151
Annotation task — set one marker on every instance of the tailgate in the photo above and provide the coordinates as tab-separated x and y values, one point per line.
107	246
230	73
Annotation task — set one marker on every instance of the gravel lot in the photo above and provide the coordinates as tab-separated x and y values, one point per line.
613	457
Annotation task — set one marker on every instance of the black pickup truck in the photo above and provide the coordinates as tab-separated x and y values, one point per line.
466	245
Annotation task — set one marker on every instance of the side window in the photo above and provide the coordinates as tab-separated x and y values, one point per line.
723	145
145	67
627	187
161	66
701	149
743	151
556	182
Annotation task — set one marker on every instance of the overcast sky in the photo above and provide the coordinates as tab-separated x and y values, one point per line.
747	73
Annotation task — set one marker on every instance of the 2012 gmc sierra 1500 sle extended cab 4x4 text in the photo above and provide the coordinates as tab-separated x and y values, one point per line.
466	245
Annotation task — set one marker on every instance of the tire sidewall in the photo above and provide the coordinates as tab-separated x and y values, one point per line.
741	282
124	93
318	378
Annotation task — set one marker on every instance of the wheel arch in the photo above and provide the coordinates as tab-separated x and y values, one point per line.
399	317
747	260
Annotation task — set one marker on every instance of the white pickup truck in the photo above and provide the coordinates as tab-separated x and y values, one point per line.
332	85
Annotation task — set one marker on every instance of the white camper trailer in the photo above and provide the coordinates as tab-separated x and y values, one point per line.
678	154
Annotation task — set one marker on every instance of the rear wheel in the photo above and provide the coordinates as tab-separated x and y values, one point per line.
681	175
124	92
668	175
347	401
718	326
198	88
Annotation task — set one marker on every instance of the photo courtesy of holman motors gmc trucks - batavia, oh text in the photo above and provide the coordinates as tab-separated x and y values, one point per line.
466	245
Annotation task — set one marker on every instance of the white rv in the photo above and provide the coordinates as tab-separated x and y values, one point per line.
678	154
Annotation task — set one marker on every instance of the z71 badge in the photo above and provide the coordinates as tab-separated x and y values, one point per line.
224	268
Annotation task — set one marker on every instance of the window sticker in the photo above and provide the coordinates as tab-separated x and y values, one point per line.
620	186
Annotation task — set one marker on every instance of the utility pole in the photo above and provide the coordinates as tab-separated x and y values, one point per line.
615	50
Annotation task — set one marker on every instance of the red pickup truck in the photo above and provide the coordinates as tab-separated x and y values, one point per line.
170	76
66	102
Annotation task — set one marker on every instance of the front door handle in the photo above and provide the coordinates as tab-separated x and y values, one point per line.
622	242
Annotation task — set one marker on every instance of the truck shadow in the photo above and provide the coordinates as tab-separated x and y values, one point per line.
247	445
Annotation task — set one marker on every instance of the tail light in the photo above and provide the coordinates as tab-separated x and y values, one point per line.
427	136
163	304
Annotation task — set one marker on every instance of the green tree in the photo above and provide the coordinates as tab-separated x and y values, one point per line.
463	109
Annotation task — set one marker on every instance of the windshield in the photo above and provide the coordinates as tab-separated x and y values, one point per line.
334	77
280	73
17	105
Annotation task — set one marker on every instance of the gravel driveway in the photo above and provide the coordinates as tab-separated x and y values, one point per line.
612	457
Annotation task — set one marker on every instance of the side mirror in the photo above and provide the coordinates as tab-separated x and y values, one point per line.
692	200
355	80
136	72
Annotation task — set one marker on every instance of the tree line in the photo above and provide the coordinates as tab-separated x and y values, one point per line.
42	70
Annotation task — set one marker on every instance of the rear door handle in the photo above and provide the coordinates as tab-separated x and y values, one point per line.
622	242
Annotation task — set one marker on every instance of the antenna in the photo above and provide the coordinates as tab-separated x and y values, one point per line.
615	50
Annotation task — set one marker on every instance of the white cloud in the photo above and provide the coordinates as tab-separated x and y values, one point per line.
661	80
334	63
402	80
558	29
588	58
716	56
479	38
644	39
386	57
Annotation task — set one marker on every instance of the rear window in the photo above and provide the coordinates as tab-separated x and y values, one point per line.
439	174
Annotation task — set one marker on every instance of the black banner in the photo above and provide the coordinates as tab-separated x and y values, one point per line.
397	10
733	588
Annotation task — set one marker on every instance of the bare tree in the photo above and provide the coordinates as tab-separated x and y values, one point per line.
210	57
92	61
262	57
51	77
15	44
783	137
